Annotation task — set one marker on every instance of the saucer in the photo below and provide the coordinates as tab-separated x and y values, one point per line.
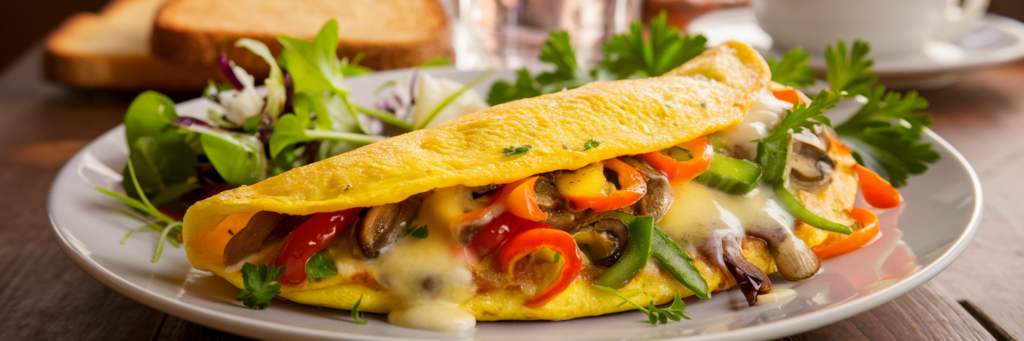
993	40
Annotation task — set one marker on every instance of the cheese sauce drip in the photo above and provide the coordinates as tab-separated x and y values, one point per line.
759	122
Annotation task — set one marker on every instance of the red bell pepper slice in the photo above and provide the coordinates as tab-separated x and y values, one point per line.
679	172
526	242
499	230
308	239
632	184
854	241
877	192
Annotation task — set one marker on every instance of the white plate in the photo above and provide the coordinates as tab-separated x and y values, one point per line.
993	40
935	227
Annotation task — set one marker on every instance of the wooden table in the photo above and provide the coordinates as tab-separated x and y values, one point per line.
45	296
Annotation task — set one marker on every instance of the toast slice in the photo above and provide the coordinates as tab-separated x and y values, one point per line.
111	51
389	33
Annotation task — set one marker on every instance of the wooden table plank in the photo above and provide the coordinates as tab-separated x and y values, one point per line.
983	117
47	297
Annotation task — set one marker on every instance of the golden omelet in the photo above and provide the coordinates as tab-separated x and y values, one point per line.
515	212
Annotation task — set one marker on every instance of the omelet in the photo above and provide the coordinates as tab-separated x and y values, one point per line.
413	252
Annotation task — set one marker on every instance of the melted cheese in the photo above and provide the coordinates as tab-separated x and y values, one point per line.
430	275
759	122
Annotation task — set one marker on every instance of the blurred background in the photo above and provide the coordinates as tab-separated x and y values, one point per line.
589	23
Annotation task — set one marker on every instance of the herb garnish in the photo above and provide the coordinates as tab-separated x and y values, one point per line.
260	285
319	267
792	69
356	315
852	73
629	54
420	232
592	143
655	315
169	228
512	151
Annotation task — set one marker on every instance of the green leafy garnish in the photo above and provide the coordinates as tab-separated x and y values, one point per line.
592	143
773	150
420	232
276	92
568	74
356	315
884	135
850	73
238	158
436	61
162	158
260	285
503	92
792	69
168	228
655	315
629	54
511	151
319	267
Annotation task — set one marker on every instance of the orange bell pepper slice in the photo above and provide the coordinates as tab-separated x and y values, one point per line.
878	192
792	96
679	172
632	185
518	198
854	241
533	239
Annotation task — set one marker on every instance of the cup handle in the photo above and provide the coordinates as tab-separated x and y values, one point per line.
959	18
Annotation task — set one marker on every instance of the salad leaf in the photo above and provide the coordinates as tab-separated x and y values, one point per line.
435	62
452	97
884	135
628	54
260	285
792	69
850	73
773	150
291	130
238	158
319	267
276	93
502	91
161	156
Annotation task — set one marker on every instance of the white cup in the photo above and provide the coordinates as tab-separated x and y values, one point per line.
892	27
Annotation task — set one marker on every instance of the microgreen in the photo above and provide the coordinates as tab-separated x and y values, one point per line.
792	68
452	97
319	266
437	61
655	315
512	151
356	315
168	227
276	94
260	285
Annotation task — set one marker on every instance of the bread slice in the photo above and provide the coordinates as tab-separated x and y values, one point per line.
111	51
389	33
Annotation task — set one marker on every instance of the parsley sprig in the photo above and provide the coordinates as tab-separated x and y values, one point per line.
773	150
655	315
319	266
626	55
851	72
792	69
885	135
260	285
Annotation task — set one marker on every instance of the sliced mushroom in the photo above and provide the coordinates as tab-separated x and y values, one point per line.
810	165
264	230
381	225
553	203
794	259
602	239
656	202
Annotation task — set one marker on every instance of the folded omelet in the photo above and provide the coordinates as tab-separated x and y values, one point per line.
438	177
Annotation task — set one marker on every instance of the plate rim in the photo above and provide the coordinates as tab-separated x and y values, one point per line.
244	326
